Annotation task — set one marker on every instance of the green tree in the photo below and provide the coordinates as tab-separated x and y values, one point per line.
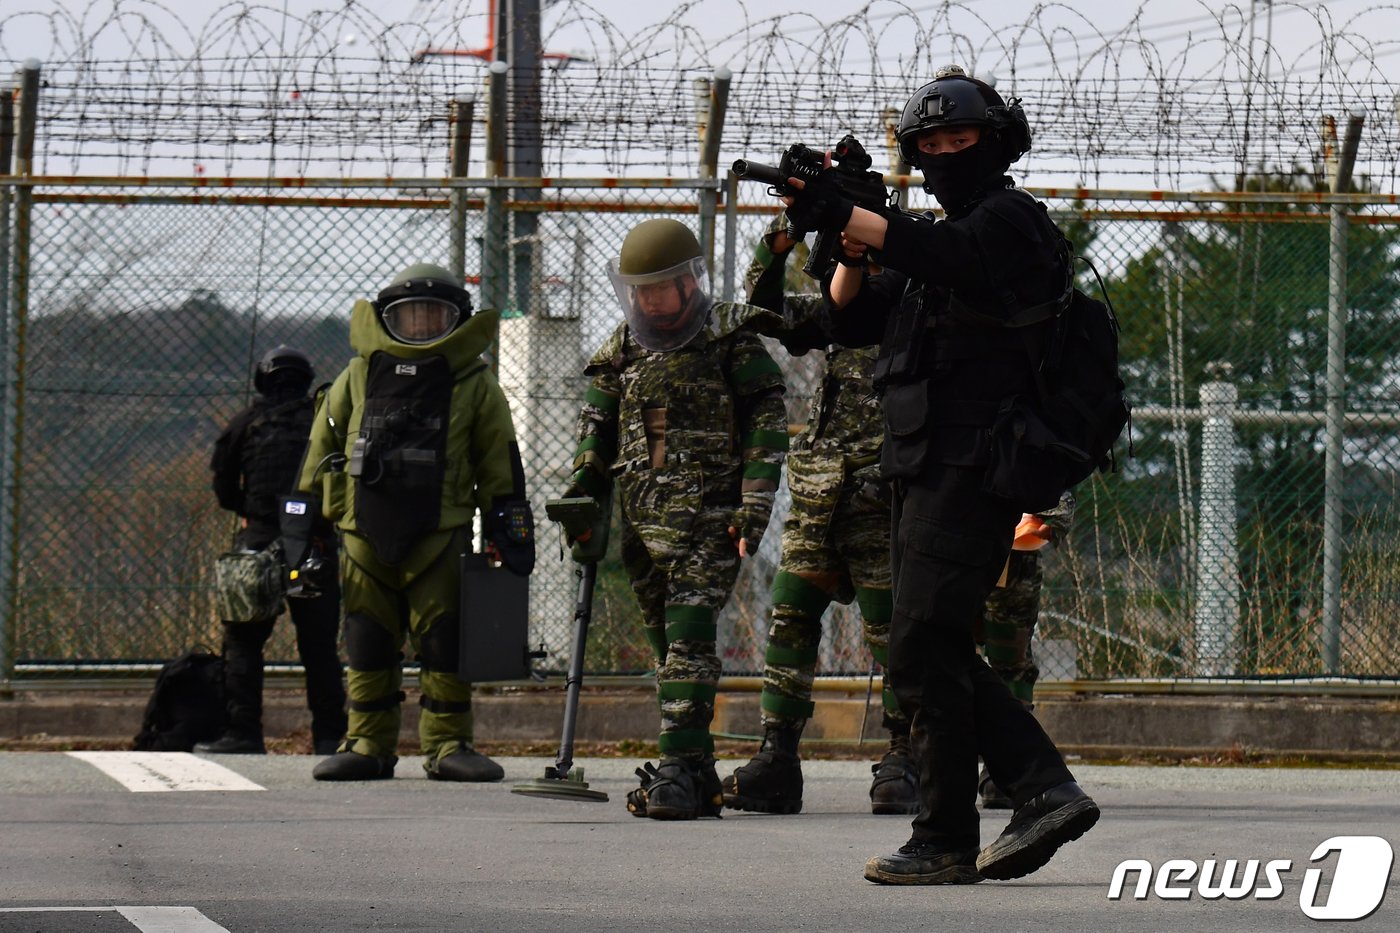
1245	298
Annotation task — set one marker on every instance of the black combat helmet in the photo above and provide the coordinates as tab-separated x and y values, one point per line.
423	303
953	98
283	366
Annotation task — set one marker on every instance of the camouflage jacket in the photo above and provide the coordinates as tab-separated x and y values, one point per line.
716	402
844	420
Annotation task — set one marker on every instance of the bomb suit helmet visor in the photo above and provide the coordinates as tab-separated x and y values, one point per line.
420	320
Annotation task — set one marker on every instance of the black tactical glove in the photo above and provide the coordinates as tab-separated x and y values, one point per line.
820	206
751	521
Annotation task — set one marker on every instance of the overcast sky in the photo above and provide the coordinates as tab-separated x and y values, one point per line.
1169	23
1182	40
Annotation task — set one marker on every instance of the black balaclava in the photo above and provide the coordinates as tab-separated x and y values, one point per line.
959	179
283	385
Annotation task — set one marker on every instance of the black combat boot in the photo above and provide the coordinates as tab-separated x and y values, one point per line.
326	731
325	746
231	743
1039	827
895	787
772	781
466	764
677	789
922	863
993	797
352	766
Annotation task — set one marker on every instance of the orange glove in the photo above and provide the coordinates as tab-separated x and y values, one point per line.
1032	534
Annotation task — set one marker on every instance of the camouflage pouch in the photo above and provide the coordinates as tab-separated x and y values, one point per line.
249	585
815	482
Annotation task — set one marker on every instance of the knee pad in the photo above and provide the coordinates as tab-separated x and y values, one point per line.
369	646
690	623
440	645
805	597
876	606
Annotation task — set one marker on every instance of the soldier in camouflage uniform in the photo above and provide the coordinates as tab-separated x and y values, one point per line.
686	411
836	547
1008	624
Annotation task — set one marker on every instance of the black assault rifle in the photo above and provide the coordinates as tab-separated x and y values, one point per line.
847	166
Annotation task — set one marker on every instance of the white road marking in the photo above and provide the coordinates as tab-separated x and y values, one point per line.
144	772
169	920
145	919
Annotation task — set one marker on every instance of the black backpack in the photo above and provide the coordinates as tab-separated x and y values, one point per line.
186	706
1046	444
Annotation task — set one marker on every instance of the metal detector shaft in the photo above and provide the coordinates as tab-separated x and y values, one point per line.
583	612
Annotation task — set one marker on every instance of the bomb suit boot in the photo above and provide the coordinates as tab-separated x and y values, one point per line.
772	780
677	789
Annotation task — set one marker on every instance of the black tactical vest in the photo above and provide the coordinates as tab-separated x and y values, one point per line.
399	459
943	373
273	444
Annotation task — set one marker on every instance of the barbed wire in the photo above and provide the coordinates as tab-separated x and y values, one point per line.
1175	95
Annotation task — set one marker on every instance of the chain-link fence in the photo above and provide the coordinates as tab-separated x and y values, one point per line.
1253	531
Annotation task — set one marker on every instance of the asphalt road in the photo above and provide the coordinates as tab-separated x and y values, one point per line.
288	854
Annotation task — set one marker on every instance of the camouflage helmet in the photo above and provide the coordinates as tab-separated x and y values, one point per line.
953	98
285	365
661	284
422	304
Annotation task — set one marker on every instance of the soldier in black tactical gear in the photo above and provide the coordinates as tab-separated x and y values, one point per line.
255	463
949	360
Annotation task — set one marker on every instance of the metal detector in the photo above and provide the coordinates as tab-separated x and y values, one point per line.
585	522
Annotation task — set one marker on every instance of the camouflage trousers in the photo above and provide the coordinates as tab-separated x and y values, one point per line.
836	547
682	565
1008	624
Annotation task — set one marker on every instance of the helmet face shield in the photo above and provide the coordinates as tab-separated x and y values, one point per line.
664	309
420	320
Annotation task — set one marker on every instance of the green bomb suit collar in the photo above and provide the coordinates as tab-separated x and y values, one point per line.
461	347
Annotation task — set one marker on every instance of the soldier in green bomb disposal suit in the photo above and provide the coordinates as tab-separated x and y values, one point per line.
411	441
685	411
836	547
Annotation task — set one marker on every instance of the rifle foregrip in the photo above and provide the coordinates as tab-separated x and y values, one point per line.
822	254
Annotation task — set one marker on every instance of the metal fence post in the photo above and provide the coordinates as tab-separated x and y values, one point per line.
1217	545
13	413
711	131
898	167
7	145
463	108
1332	509
495	245
731	233
7	152
526	149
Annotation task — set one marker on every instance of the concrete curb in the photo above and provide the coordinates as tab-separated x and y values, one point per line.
1091	725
